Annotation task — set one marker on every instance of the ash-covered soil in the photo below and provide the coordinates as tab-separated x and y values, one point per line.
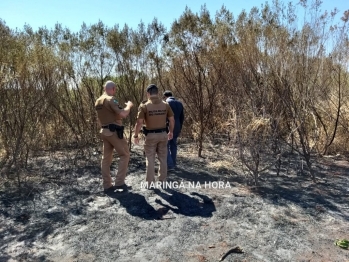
61	213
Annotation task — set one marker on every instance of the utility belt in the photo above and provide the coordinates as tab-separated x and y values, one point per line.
115	128
146	131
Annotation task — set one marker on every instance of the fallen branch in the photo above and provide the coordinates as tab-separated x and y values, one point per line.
232	250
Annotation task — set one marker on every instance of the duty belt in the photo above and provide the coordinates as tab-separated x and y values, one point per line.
115	128
146	131
157	130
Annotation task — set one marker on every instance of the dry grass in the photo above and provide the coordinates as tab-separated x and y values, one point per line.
220	164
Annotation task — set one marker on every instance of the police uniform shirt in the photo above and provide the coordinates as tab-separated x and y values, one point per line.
108	111
154	112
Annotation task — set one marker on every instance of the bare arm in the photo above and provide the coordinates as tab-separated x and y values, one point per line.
171	126
138	126
172	123
118	110
126	111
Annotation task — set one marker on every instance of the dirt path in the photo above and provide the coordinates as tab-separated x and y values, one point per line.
288	218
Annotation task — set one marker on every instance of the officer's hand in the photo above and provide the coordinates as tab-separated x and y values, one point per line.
129	104
170	135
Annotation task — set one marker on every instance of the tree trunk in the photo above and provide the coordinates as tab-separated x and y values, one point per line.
311	171
201	138
200	148
337	116
255	176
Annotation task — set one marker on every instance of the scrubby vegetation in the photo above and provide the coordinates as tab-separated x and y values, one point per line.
271	81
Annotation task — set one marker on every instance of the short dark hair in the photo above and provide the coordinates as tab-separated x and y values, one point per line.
167	93
152	89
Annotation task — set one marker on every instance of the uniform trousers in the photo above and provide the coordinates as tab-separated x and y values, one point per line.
156	144
120	145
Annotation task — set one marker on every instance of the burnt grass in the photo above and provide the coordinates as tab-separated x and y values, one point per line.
61	213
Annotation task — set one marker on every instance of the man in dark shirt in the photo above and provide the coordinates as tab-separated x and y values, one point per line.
177	108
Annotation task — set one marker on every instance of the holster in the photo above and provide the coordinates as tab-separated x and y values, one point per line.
118	129
144	131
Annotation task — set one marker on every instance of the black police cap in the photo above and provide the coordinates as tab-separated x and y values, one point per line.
151	87
167	93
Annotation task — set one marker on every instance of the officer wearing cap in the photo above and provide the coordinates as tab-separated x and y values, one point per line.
110	116
154	113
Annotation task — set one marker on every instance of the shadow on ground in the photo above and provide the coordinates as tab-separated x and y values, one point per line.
136	205
36	212
180	203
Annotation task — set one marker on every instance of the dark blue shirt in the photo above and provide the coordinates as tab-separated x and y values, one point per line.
177	108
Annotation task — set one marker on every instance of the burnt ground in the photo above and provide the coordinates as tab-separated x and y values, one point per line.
61	213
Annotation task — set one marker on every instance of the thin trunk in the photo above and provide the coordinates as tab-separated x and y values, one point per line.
278	166
200	147
306	153
309	165
337	115
255	171
255	176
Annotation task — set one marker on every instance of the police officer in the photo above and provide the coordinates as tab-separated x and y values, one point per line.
110	116
154	113
177	108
